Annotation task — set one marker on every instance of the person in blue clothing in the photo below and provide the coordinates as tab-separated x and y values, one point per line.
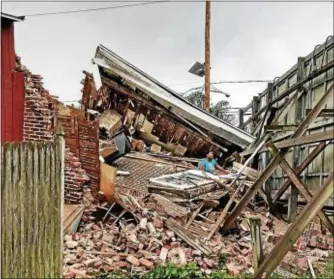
209	164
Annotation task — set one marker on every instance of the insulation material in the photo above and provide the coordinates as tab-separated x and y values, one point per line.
180	150
130	115
147	126
111	121
139	121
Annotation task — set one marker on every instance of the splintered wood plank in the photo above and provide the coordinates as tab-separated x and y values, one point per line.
193	216
296	229
255	224
247	171
188	237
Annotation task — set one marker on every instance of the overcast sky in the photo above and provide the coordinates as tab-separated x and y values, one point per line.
248	41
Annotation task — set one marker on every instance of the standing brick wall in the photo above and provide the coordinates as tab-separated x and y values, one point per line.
40	120
38	108
82	138
75	178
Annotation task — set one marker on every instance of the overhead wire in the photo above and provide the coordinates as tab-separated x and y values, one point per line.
227	81
99	9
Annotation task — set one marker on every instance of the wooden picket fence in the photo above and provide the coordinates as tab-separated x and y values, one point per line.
32	204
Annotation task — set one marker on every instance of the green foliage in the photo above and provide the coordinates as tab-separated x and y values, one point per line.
191	271
329	268
196	98
171	271
219	109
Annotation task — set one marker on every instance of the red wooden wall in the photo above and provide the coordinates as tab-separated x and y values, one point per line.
12	87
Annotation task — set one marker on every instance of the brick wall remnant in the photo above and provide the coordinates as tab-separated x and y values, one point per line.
75	178
39	109
40	120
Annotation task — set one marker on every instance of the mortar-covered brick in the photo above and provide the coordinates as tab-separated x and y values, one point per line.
40	118
39	107
75	178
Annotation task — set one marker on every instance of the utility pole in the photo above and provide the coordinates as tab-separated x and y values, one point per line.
207	54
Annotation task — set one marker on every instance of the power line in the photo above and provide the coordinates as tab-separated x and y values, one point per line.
241	81
226	81
99	9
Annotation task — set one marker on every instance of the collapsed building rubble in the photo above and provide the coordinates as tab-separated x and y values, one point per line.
156	114
140	232
162	209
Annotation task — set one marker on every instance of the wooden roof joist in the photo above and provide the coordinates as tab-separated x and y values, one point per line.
313	138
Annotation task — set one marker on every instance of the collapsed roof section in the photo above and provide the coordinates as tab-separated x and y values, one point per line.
112	65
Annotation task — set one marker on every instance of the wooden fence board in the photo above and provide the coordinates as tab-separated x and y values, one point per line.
15	223
31	204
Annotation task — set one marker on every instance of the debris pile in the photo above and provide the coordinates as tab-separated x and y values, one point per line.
138	234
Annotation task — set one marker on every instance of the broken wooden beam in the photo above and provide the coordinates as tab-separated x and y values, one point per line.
296	229
299	170
188	237
299	185
291	142
270	128
193	216
255	226
222	216
324	112
266	173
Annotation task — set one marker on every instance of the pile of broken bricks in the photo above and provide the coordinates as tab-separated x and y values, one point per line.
137	240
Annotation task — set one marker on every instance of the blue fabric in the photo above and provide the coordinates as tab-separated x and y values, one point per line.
209	166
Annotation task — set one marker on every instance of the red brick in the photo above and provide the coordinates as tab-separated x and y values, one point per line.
133	260
148	264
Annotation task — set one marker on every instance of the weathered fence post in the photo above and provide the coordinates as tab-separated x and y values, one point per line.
241	118
255	226
60	148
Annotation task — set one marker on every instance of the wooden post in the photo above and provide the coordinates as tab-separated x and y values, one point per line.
255	225
267	185
296	229
293	199
60	147
207	55
241	118
255	108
